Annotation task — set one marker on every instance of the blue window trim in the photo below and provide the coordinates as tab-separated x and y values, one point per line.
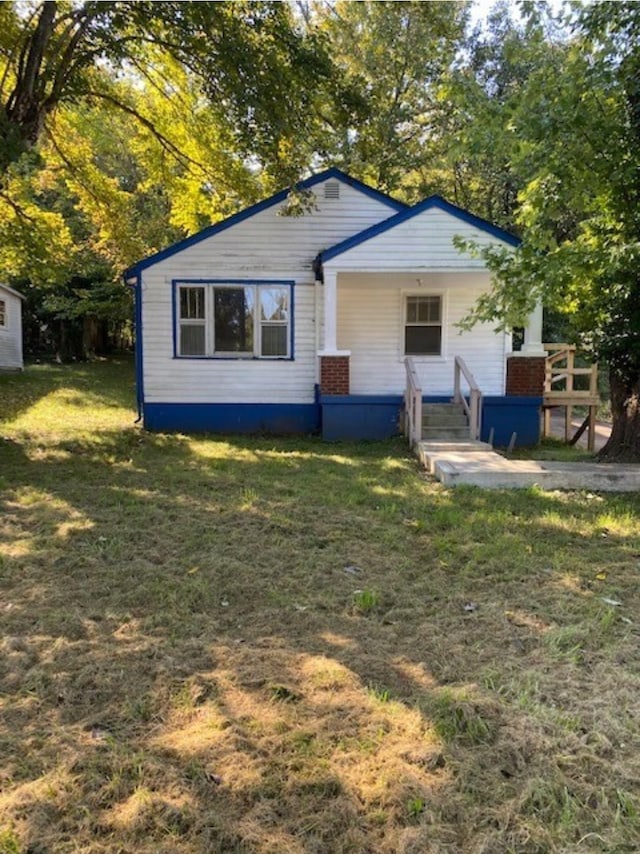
425	205
216	228
289	283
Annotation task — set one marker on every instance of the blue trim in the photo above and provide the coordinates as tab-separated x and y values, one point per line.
403	216
138	350
359	399
182	281
289	283
216	228
174	316
273	418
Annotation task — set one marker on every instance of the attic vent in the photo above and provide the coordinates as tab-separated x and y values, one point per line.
332	190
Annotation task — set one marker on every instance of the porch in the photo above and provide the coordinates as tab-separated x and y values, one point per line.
384	336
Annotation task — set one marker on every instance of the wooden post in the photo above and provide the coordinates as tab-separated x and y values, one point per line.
591	439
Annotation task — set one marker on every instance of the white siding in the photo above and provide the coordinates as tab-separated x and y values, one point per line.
264	246
370	325
424	242
11	332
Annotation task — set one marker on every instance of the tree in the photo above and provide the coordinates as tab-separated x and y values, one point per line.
392	57
578	130
49	57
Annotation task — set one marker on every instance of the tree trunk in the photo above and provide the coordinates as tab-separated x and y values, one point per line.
624	443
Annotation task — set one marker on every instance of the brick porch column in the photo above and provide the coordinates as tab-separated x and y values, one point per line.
525	375
334	374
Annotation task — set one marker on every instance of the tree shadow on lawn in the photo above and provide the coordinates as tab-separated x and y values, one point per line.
186	666
102	381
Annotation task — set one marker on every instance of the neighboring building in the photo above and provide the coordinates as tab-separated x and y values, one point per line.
10	329
284	324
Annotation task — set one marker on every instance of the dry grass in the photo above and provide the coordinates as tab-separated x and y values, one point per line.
288	647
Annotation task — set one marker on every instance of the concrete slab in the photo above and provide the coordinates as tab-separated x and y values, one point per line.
494	472
429	452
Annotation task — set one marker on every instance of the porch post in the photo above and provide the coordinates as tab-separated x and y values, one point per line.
330	343
334	363
526	368
533	334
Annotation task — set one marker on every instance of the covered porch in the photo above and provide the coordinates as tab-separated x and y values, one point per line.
387	339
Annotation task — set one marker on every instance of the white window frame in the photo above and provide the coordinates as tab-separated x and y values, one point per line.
427	357
209	287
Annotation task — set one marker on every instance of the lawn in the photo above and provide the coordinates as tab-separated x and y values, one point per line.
281	646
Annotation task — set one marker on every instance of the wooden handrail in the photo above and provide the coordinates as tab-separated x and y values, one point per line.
558	373
412	404
560	369
472	408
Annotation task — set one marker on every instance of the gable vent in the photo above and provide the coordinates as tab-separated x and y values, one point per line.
332	190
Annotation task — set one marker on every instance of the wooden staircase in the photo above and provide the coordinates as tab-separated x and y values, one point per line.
444	422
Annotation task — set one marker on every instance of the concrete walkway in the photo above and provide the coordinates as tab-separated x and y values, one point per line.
474	463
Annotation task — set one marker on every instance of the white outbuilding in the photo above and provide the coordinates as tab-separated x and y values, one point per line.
10	329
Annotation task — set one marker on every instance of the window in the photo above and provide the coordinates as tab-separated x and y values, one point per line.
423	325
3	313
230	319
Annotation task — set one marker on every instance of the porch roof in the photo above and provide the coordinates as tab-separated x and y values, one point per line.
402	216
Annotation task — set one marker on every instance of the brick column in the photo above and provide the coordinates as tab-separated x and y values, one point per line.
525	376
334	374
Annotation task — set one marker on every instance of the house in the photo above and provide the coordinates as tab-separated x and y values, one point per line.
272	323
10	329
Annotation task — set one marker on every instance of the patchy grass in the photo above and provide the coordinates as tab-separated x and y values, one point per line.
554	449
288	647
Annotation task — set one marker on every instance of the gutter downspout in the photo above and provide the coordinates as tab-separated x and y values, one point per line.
136	284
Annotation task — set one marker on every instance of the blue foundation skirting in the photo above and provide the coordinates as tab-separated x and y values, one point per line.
350	417
276	418
378	417
508	415
360	416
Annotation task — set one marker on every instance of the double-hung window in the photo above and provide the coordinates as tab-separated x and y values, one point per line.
233	320
423	325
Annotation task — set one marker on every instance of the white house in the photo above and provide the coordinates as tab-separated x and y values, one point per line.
274	323
10	329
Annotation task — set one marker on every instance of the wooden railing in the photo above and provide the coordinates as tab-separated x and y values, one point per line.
472	407
559	390
412	404
560	368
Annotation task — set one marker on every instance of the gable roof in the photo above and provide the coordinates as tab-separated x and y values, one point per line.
11	291
408	213
261	206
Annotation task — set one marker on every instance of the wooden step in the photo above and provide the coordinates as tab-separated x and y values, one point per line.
446	434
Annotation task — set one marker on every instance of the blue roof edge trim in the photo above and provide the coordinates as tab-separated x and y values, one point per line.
430	202
217	227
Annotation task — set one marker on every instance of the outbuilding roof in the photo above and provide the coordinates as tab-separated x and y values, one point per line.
11	291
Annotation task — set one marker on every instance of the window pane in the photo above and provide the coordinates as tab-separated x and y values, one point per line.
192	303
423	309
422	340
192	341
274	303
274	339
3	312
412	309
233	320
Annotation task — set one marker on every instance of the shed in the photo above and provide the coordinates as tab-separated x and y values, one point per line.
10	329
